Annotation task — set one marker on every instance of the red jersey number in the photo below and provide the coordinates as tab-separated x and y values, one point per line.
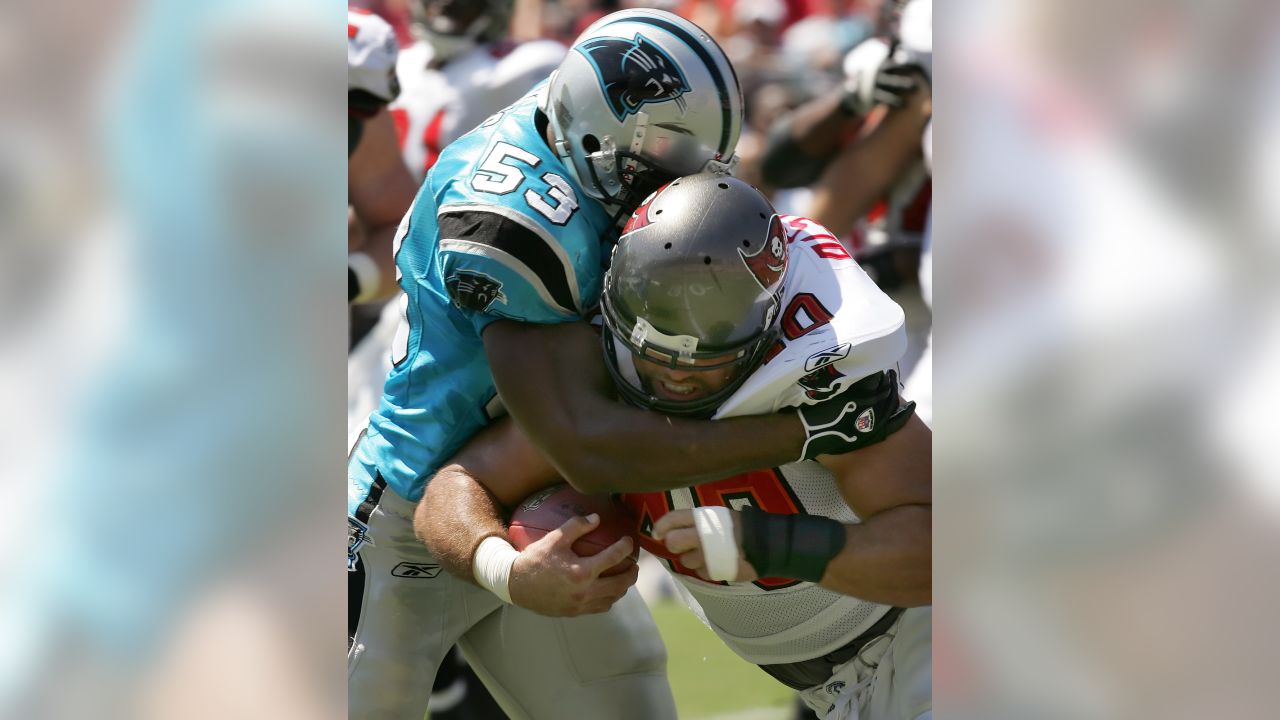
764	490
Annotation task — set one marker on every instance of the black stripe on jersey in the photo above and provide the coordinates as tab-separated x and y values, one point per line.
355	601
726	104
518	241
371	500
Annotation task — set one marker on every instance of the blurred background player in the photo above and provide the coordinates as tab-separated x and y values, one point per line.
859	151
379	189
462	68
822	557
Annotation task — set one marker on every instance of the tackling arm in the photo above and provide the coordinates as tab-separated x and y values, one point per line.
553	381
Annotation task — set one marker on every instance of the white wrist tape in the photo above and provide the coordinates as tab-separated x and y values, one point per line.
719	546
367	275
491	565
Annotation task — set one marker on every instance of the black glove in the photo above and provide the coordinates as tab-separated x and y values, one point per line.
862	414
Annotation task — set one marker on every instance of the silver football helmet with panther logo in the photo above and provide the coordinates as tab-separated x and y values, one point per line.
644	96
695	284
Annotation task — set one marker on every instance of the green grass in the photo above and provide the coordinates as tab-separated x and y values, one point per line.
707	678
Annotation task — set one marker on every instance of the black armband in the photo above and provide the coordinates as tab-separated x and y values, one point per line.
784	164
859	416
791	546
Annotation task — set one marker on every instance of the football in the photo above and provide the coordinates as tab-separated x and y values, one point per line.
548	509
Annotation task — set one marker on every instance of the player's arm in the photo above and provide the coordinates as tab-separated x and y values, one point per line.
380	191
801	144
887	558
553	381
509	275
464	507
865	170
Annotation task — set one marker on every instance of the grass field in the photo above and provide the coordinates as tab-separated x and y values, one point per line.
708	680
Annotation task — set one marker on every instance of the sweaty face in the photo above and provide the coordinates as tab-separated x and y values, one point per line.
683	384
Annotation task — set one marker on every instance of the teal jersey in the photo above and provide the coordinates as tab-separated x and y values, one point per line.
499	229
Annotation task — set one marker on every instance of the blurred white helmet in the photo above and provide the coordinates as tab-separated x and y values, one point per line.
643	97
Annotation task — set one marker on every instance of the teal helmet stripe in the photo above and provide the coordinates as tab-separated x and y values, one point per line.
726	102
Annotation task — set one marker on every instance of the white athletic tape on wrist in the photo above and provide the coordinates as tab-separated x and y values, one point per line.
367	275
719	546
491	566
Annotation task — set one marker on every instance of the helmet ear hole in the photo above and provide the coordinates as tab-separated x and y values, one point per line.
591	144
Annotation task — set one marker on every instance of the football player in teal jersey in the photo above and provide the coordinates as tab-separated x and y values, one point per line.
500	257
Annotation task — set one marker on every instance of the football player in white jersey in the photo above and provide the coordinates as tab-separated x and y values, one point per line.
460	71
818	571
379	189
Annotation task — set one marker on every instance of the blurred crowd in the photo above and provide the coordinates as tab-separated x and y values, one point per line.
786	52
807	141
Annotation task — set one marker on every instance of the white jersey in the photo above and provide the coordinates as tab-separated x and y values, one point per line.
438	105
838	328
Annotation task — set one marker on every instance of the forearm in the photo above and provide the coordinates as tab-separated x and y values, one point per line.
803	143
887	559
821	127
564	400
454	516
866	170
631	450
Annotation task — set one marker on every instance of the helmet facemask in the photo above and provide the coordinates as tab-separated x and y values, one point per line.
695	284
625	341
622	179
642	97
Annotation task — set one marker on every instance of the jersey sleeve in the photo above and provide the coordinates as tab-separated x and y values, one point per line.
837	328
497	263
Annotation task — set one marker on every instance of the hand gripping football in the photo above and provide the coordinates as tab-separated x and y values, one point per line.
548	509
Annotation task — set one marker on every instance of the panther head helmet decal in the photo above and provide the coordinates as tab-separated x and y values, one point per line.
634	72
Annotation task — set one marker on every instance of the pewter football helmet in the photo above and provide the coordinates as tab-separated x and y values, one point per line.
695	283
644	96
